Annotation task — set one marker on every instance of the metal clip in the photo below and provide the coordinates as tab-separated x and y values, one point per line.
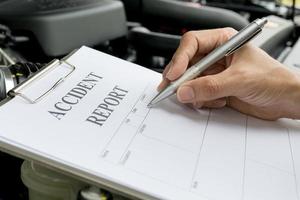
231	51
55	63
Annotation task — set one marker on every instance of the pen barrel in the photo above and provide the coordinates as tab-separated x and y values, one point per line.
229	47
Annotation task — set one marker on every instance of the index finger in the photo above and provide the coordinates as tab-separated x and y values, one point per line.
195	44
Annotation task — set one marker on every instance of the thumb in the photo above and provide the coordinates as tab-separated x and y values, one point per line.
208	88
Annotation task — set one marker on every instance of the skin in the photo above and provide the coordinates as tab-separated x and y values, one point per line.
249	80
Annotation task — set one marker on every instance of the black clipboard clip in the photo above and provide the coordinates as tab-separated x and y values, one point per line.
17	91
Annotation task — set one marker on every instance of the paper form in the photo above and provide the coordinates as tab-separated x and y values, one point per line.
167	152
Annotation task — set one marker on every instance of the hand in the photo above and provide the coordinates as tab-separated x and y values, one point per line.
249	80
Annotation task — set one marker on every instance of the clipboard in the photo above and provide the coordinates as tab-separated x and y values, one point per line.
17	91
182	154
55	164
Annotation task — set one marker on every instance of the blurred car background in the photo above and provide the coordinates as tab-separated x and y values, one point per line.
145	32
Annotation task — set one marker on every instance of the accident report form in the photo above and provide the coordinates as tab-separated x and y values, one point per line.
96	124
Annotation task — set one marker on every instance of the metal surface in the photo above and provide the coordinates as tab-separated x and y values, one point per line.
55	63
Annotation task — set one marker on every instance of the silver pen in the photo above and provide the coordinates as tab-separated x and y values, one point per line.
233	44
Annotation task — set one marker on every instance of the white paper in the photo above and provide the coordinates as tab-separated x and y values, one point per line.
167	152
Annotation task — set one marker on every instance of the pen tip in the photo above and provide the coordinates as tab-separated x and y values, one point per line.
149	105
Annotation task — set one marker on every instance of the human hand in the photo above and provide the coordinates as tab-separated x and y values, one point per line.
249	80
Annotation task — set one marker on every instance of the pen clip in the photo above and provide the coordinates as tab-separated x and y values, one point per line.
234	49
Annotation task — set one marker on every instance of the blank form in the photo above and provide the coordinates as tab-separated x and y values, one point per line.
169	151
223	155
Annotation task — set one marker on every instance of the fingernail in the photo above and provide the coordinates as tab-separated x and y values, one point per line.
186	94
169	74
160	86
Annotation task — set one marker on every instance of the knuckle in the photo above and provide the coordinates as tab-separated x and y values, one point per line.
188	36
228	32
209	88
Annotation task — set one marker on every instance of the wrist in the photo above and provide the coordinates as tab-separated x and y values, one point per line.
297	100
293	109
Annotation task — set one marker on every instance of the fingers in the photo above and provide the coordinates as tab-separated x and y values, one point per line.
187	49
164	83
217	68
193	46
196	43
208	88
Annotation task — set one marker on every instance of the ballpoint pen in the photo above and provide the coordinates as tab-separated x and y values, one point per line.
229	47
